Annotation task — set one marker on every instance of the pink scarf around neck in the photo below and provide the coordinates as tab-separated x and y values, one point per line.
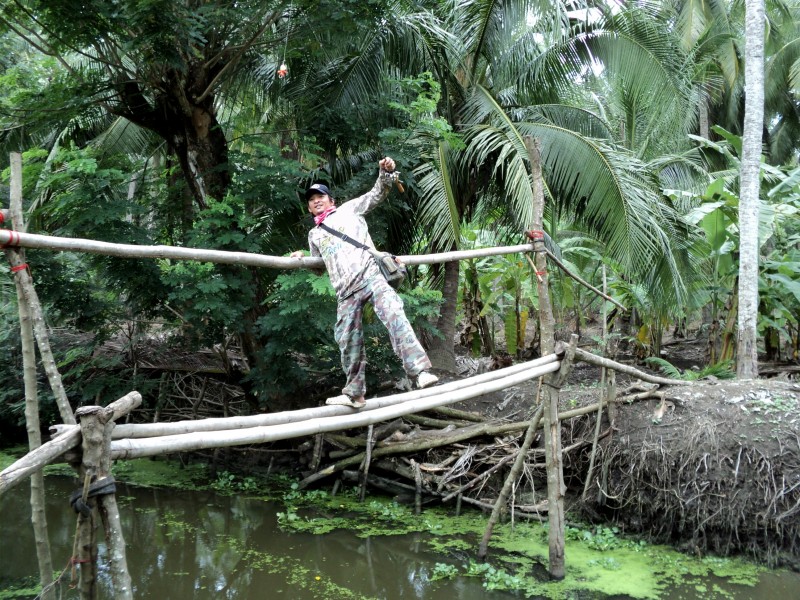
321	216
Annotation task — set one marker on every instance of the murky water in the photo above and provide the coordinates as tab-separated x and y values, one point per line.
201	545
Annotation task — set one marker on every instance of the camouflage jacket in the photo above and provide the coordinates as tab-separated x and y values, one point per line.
349	267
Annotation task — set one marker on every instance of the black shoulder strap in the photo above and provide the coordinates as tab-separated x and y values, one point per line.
345	237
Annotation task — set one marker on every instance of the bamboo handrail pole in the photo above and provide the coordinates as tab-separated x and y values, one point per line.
67	439
37	459
144	430
32	240
129	448
612	364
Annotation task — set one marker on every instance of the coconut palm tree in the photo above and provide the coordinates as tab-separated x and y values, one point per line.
747	357
527	68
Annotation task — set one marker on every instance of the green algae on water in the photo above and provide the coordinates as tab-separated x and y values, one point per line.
598	559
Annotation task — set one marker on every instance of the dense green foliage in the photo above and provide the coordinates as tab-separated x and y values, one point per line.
147	122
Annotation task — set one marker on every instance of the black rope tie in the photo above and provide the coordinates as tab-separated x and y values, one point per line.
101	487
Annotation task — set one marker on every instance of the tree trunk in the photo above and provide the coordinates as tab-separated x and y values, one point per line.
202	150
183	115
441	350
747	357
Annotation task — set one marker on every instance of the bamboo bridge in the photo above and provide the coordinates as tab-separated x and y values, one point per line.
101	441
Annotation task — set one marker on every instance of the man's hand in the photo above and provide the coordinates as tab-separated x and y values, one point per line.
387	164
297	254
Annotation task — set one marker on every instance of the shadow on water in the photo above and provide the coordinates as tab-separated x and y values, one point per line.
196	545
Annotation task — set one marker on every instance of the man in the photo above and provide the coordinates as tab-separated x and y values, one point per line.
356	279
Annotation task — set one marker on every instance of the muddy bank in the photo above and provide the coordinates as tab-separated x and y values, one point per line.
718	472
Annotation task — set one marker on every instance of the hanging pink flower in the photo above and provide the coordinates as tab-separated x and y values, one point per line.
283	70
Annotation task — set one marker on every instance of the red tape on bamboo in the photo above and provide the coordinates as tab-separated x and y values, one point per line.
11	241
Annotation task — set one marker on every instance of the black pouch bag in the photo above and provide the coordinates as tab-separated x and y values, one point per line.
392	269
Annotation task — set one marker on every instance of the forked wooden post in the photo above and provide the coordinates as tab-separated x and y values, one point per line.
95	470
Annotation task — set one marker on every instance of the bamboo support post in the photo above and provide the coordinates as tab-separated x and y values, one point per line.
367	460
516	469
552	428
556	489
27	293
417	487
32	421
595	441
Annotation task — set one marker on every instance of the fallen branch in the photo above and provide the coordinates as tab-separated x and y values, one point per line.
471	483
424	443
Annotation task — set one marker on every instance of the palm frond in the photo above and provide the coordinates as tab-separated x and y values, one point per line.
438	213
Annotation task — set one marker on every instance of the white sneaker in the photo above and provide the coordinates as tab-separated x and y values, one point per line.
346	401
426	379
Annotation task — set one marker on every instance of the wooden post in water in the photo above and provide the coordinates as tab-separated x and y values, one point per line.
552	426
98	499
84	552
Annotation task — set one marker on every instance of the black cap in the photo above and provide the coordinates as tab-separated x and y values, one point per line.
317	188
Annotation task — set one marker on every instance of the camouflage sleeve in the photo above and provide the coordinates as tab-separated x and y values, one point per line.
314	252
312	246
363	204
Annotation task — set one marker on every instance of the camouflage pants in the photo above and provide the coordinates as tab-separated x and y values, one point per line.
349	334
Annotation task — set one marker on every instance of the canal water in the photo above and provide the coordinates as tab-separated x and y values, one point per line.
201	545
